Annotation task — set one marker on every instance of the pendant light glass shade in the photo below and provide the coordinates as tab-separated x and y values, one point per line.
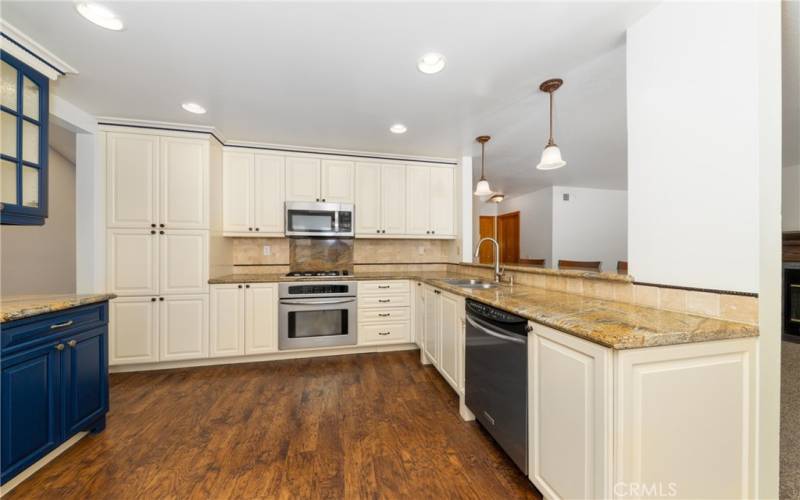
551	159
551	156
482	188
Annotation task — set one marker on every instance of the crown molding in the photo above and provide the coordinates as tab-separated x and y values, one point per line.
158	125
23	47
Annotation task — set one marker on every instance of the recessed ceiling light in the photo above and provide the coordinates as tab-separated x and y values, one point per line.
99	15
431	63
193	107
398	128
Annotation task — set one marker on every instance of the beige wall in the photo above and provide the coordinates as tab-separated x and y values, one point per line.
41	259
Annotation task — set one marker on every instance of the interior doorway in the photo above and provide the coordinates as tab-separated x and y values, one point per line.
487	230
508	237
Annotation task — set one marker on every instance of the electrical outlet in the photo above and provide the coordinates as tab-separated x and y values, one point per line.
565	197
267	250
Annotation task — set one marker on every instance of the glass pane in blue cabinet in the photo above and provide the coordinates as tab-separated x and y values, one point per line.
8	182
8	86
30	142
8	134
30	186
30	99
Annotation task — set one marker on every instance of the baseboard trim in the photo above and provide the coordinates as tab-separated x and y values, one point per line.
276	356
33	468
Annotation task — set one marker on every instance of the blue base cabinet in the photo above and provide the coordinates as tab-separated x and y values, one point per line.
54	382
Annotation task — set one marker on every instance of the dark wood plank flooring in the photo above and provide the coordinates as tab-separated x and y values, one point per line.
359	426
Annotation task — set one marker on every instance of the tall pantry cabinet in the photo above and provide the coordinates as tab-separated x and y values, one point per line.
159	227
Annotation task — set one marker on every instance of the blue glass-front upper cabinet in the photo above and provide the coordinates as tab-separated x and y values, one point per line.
23	143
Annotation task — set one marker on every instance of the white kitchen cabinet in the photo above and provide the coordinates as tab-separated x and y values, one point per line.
237	193
442	201
132	178
183	327
184	183
183	261
133	330
303	177
418	199
337	181
450	332
268	182
419	314
368	199
570	403
132	264
383	333
393	199
227	320
261	318
433	313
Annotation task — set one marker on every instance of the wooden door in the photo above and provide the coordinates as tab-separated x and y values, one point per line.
393	199
133	330
183	324
302	179
261	318
132	169
442	201
237	192
418	199
183	261
184	183
487	230
338	181
368	199
269	194
227	320
132	261
508	237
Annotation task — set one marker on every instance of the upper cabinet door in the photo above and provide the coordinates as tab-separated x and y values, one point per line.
338	181
237	197
302	179
133	261
418	199
441	202
132	180
183	258
368	199
393	199
184	183
269	193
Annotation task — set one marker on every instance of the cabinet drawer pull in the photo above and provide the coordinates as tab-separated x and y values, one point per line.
384	301
72	343
437	292
61	325
384	333
384	315
384	286
59	347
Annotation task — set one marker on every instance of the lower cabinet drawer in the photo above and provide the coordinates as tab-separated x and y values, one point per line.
384	333
383	315
382	287
383	301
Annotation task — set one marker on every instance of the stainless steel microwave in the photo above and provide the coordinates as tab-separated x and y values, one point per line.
319	219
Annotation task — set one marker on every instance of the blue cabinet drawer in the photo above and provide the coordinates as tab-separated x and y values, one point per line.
30	332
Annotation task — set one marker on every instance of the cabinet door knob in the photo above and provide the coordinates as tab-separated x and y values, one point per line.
317	199
152	231
72	343
161	225
240	286
258	229
249	228
161	299
153	299
247	286
161	232
152	225
59	347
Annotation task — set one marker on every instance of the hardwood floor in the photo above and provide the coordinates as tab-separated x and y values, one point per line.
359	426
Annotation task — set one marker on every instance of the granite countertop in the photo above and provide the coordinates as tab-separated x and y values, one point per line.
15	307
611	324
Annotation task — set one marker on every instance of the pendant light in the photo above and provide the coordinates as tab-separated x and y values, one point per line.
551	156
482	188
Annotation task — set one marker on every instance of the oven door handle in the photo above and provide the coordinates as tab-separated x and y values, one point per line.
316	302
498	335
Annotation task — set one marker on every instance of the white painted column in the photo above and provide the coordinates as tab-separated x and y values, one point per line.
466	209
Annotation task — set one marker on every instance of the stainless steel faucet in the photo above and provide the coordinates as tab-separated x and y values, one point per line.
497	271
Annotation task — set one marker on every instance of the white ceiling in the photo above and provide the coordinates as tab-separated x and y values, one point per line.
338	75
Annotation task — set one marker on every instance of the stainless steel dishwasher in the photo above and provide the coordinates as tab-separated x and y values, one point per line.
496	377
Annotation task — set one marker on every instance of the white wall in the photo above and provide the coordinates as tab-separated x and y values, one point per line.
693	146
791	198
592	225
535	223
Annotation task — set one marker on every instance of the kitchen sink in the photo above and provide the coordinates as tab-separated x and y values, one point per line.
470	283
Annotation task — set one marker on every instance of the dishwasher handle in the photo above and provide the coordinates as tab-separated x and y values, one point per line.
505	335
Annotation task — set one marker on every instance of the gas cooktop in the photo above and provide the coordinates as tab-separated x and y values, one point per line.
305	274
